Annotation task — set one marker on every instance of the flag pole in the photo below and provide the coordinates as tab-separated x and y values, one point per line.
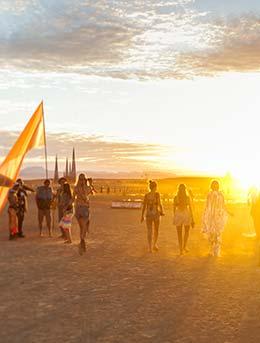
45	144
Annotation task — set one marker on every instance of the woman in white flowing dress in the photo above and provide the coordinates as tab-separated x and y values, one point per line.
215	218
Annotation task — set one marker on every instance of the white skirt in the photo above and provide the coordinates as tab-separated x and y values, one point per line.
182	217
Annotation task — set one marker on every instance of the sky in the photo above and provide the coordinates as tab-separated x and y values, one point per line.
155	85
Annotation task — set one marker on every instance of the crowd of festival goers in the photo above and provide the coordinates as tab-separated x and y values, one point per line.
69	203
76	203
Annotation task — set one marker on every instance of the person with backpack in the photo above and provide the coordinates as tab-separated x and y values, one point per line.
152	207
44	197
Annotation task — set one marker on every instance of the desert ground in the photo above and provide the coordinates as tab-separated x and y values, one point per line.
117	292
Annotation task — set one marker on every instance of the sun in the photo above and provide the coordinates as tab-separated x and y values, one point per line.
247	178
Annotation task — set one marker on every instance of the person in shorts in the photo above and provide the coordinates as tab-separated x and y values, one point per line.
44	197
83	189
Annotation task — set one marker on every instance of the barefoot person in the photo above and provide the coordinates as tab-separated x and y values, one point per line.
83	189
44	197
214	218
12	211
182	216
152	208
66	220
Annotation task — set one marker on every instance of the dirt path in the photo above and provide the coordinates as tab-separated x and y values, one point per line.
119	293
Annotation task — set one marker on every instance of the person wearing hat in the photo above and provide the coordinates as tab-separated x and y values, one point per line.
12	211
61	198
22	205
44	197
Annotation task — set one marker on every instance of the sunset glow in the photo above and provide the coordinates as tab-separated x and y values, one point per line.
177	92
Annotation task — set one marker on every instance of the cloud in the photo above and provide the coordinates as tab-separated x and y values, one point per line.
93	152
125	39
236	49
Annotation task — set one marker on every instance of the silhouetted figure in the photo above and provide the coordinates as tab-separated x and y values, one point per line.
152	209
182	216
44	197
108	189
12	211
215	218
83	189
22	205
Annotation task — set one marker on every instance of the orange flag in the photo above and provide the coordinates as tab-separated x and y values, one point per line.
32	136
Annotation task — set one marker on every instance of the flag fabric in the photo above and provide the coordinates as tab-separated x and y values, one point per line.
32	136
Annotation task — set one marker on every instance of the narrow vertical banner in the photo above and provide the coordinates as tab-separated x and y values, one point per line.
32	136
45	144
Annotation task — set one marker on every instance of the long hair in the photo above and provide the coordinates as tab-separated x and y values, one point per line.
182	195
66	189
214	185
152	185
78	179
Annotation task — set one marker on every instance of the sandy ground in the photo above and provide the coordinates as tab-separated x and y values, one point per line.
117	292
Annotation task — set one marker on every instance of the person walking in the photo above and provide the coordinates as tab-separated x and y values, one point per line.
12	211
83	189
215	218
182	217
152	209
44	197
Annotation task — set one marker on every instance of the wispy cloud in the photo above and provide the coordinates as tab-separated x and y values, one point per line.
236	48
93	152
126	39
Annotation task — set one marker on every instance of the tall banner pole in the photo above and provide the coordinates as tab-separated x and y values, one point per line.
45	145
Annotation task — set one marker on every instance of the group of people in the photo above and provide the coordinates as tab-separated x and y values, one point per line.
214	217
76	203
68	202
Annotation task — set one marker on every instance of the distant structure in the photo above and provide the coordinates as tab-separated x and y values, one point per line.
56	171
70	169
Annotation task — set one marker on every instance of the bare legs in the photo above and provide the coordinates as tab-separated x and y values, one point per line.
84	229
41	214
152	234
183	241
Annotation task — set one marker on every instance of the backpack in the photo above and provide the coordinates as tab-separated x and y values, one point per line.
44	197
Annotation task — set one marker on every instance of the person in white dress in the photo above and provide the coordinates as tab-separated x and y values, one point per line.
215	218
